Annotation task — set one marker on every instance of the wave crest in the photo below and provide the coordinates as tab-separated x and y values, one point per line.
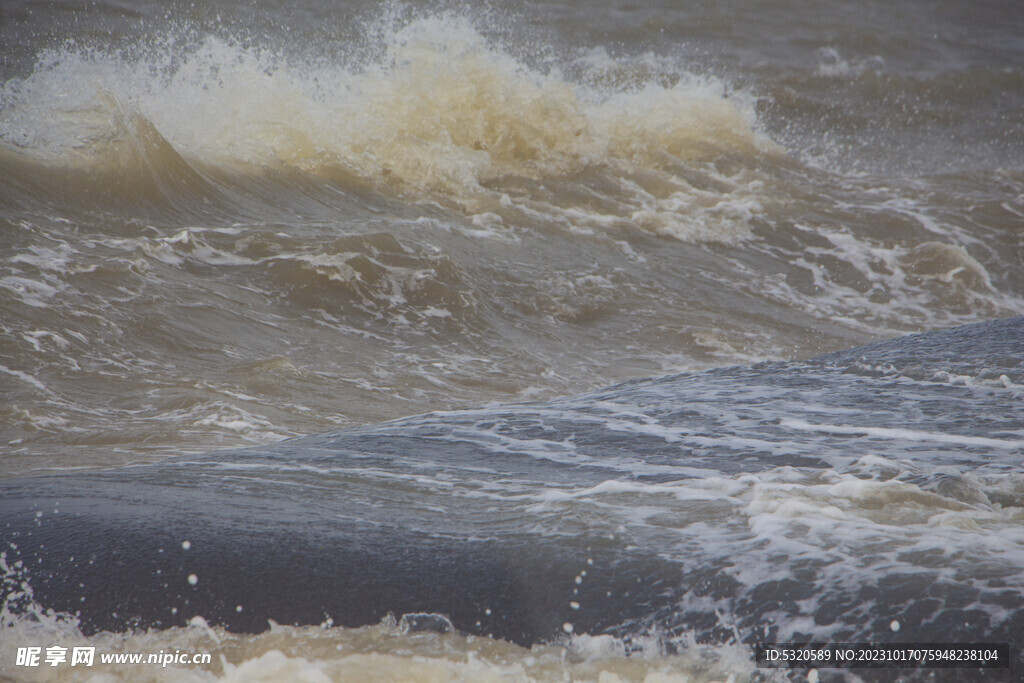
441	113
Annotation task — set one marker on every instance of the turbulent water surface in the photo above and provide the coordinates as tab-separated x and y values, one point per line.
223	224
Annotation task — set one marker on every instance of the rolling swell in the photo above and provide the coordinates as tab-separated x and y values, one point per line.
871	494
206	234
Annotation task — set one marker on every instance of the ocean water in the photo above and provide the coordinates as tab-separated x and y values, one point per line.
224	225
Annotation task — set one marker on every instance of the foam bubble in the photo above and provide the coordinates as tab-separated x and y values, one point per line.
372	653
440	110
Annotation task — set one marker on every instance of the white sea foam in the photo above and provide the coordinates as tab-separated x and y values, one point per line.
442	109
904	434
373	653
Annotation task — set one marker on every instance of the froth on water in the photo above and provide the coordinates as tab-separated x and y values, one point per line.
216	236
